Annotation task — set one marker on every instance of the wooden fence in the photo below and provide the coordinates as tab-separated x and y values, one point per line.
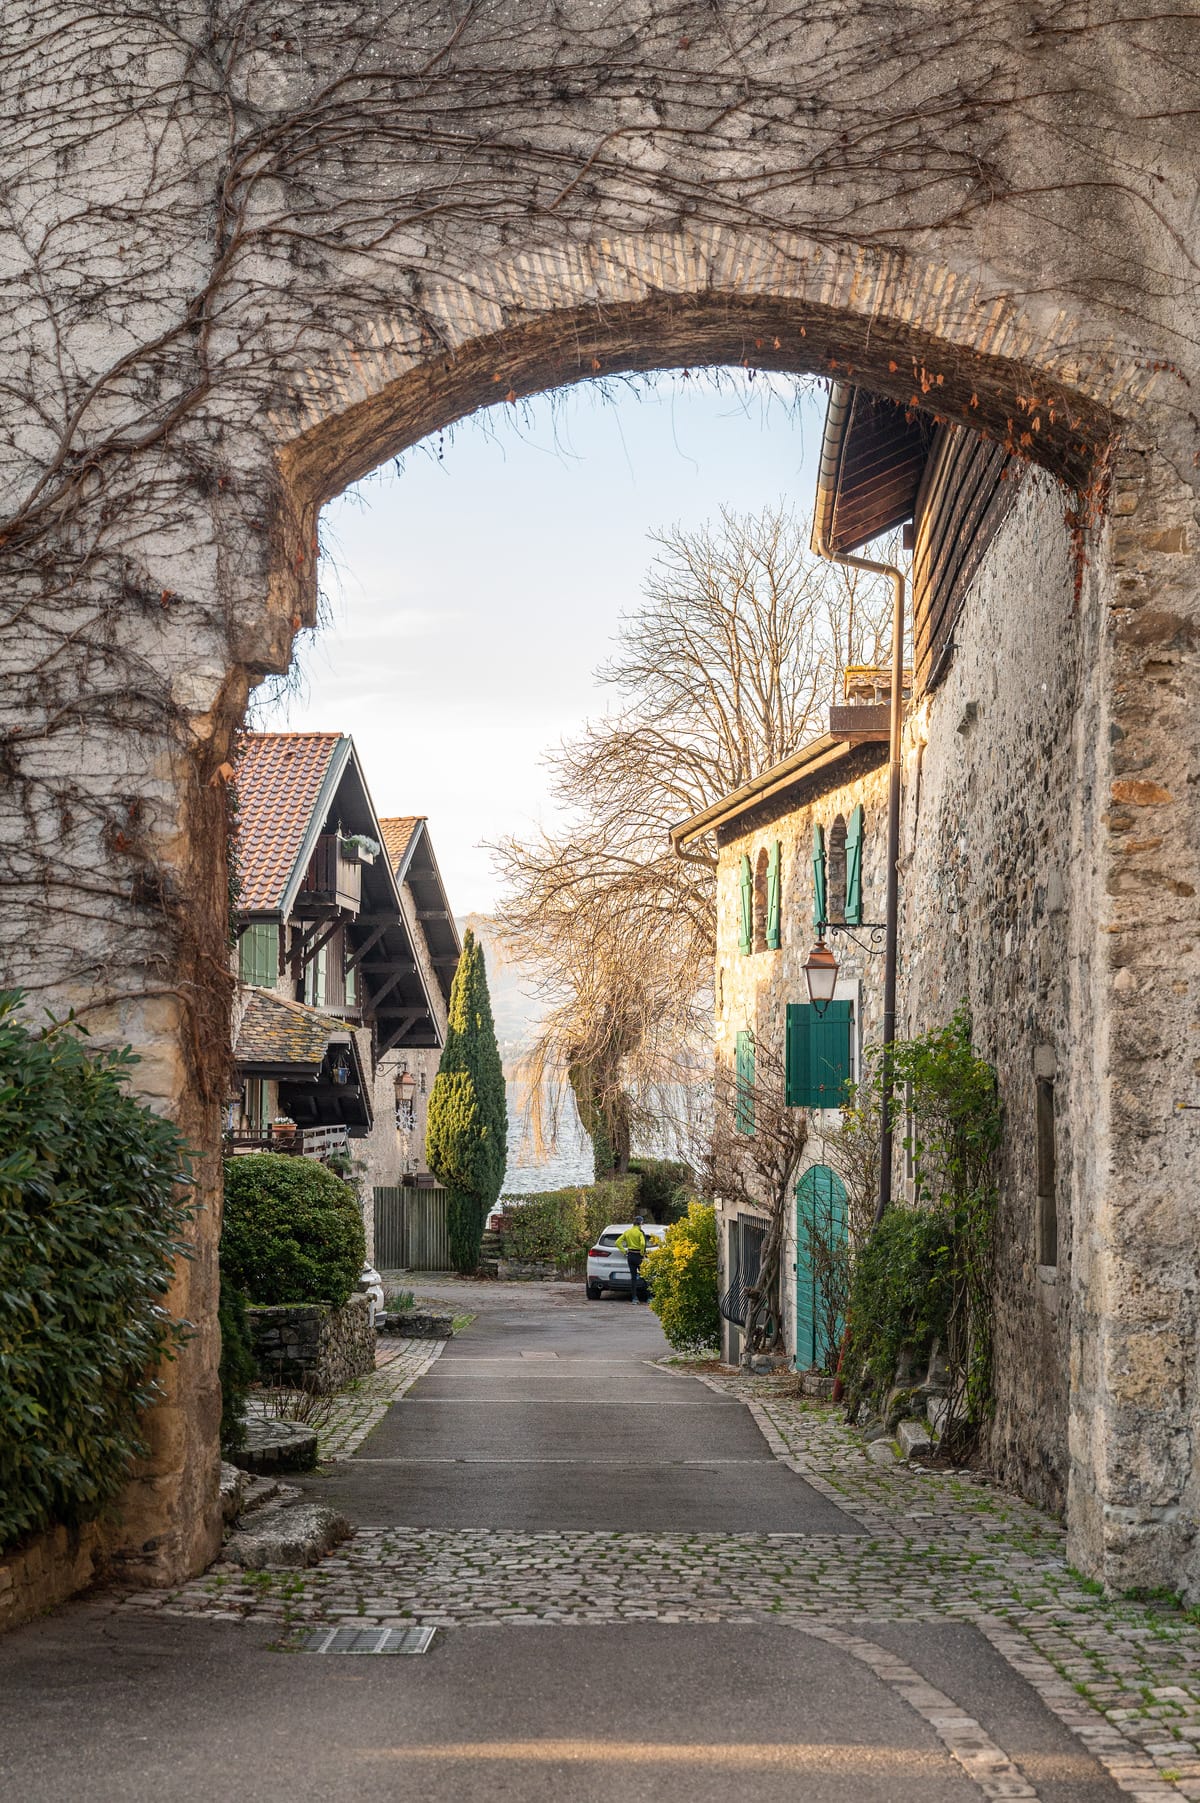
411	1231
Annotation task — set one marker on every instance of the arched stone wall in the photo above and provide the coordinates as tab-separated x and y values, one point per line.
253	258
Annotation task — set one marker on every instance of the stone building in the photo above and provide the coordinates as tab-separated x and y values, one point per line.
346	951
999	907
782	866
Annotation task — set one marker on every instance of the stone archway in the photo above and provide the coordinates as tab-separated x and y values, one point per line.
297	288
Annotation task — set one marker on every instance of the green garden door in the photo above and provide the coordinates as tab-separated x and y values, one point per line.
820	1237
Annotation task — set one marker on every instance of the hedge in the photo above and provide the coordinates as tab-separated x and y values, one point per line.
92	1215
556	1225
293	1232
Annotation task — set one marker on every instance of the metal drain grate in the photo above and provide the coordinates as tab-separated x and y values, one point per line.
367	1640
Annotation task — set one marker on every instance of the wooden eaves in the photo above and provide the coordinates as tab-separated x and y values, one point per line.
824	753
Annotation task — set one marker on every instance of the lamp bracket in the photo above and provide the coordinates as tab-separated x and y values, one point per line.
876	932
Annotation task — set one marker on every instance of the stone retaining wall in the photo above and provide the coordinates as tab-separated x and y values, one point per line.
45	1571
312	1344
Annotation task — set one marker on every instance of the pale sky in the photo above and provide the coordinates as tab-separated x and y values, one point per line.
475	591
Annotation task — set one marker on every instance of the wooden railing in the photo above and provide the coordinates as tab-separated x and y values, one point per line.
297	1142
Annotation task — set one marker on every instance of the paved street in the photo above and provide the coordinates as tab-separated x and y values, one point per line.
643	1582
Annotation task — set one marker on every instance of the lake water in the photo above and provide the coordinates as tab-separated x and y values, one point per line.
530	1170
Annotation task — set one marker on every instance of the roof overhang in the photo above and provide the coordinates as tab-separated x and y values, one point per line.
818	757
873	456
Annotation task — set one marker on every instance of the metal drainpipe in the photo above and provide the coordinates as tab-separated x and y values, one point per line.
892	907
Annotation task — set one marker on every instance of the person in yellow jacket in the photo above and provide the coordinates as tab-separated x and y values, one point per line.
633	1244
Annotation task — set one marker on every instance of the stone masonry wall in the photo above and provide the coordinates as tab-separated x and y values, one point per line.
311	1343
989	891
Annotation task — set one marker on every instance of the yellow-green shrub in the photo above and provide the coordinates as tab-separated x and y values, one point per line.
683	1278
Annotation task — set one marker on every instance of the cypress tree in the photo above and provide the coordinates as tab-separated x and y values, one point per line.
466	1138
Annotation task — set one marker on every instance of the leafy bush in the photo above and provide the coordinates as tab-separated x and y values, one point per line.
683	1278
901	1295
293	1231
238	1370
665	1184
91	1222
558	1224
927	1273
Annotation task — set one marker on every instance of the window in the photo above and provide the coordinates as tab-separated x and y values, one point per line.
743	1107
352	986
818	1054
818	865
760	901
421	1081
745	904
836	870
258	954
1047	1175
315	978
254	1104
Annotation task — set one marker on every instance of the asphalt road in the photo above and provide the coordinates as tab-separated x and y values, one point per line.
544	1415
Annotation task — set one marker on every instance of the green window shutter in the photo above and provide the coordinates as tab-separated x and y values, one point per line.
796	1084
854	846
817	1060
773	897
818	875
746	918
258	954
743	1118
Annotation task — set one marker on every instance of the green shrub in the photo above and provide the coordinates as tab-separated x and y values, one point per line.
293	1231
901	1295
91	1223
665	1186
238	1369
557	1225
683	1278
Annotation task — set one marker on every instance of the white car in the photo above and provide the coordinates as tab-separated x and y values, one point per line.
607	1266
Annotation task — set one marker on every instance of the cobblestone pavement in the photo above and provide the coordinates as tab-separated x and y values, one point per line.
935	1546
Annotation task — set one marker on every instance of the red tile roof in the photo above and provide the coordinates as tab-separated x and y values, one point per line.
279	777
398	835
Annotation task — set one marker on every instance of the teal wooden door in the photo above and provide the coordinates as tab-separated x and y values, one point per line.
820	1222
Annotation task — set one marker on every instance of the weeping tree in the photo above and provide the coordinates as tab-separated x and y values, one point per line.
466	1138
728	665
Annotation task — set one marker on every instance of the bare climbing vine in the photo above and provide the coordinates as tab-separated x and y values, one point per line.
204	206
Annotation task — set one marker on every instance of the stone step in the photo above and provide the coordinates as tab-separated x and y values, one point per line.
272	1446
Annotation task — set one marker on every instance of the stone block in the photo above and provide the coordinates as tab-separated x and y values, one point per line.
289	1537
914	1439
273	1446
883	1452
417	1324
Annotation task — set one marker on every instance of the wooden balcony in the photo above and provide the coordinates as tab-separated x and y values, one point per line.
332	882
317	1143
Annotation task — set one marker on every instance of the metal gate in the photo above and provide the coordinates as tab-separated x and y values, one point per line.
411	1229
821	1228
